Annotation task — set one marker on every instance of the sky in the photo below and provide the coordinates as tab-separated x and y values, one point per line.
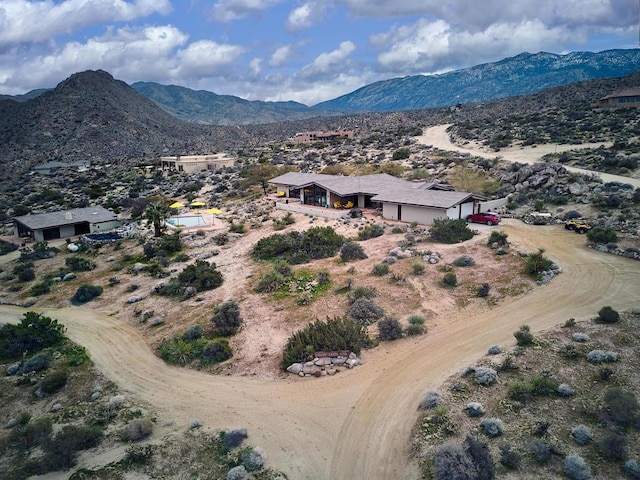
280	50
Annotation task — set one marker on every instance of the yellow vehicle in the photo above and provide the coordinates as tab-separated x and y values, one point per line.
577	226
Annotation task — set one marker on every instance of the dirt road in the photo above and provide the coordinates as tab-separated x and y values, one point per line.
439	138
355	425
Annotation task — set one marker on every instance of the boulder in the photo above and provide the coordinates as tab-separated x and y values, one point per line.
322	362
295	368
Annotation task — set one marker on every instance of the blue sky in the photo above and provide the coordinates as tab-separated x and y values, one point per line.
307	51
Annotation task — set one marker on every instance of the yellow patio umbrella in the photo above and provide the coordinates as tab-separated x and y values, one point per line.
176	205
213	211
197	204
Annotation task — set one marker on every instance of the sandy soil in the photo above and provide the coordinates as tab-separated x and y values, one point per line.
439	138
357	424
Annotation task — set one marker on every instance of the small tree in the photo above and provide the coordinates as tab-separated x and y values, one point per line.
608	315
352	251
226	318
602	235
448	230
86	293
524	337
537	263
156	213
389	329
449	280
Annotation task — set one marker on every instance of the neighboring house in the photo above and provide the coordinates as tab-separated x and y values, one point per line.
398	199
65	223
624	98
318	136
196	163
52	167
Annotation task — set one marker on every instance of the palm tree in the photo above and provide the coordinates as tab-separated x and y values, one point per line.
156	213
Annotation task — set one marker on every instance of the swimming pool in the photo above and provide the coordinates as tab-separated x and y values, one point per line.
187	221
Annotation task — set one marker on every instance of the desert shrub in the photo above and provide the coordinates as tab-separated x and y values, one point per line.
510	458
217	350
536	263
299	247
39	251
470	460
352	251
333	334
238	472
536	385
226	318
136	429
371	231
614	447
608	315
33	333
523	335
483	290
431	400
361	292
632	468
60	451
237	227
7	247
180	351
401	154
201	275
417	268
565	390
494	350
79	264
324	277
283	268
602	235
447	230
474	409
53	381
464	261
581	434
541	450
621	406
38	362
580	337
24	271
389	329
499	237
31	434
486	376
449	280
415	326
492	427
281	223
600	356
269	281
192	333
365	311
86	293
576	468
380	269
252	460
234	438
163	246
40	288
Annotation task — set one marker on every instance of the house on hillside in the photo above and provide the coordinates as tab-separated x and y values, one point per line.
624	98
51	167
318	136
396	198
197	163
64	223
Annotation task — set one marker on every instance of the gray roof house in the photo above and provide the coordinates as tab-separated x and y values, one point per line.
398	199
64	223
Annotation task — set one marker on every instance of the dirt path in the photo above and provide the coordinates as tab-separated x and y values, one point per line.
355	425
439	138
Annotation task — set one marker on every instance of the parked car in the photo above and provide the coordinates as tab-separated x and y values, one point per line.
484	217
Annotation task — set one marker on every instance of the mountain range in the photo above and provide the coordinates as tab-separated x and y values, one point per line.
520	75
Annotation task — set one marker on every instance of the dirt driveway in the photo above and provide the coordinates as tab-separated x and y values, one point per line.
354	425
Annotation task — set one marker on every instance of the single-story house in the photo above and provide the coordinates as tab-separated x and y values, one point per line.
624	98
51	167
197	163
398	199
64	223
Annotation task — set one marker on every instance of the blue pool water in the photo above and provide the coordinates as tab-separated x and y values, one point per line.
187	221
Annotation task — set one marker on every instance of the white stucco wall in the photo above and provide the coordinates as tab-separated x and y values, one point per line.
460	211
104	226
412	213
280	187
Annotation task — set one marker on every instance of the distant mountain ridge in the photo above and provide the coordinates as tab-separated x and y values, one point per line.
520	75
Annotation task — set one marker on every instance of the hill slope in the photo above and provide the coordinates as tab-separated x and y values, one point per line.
523	74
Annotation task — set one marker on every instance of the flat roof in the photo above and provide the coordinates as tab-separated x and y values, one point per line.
39	221
423	198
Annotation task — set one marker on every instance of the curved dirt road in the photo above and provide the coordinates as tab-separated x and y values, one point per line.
439	138
355	425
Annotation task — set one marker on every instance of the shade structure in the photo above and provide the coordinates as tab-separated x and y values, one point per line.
176	205
197	204
214	211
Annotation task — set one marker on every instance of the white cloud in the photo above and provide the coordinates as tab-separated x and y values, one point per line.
23	21
255	67
327	64
280	56
229	10
205	58
305	16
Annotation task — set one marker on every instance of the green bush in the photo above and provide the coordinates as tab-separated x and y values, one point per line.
280	224
536	263
447	230
417	268
449	280
464	261
38	362
401	154
299	247
365	311
53	381
361	292
416	325
621	406
79	264
483	290
7	247
137	429
608	315
163	246
389	329
523	335
226	318
352	251
60	451
34	332
371	231
179	351
602	235
333	334
40	288
39	251
499	237
380	269
24	271
201	275
217	350
86	293
270	281
237	227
